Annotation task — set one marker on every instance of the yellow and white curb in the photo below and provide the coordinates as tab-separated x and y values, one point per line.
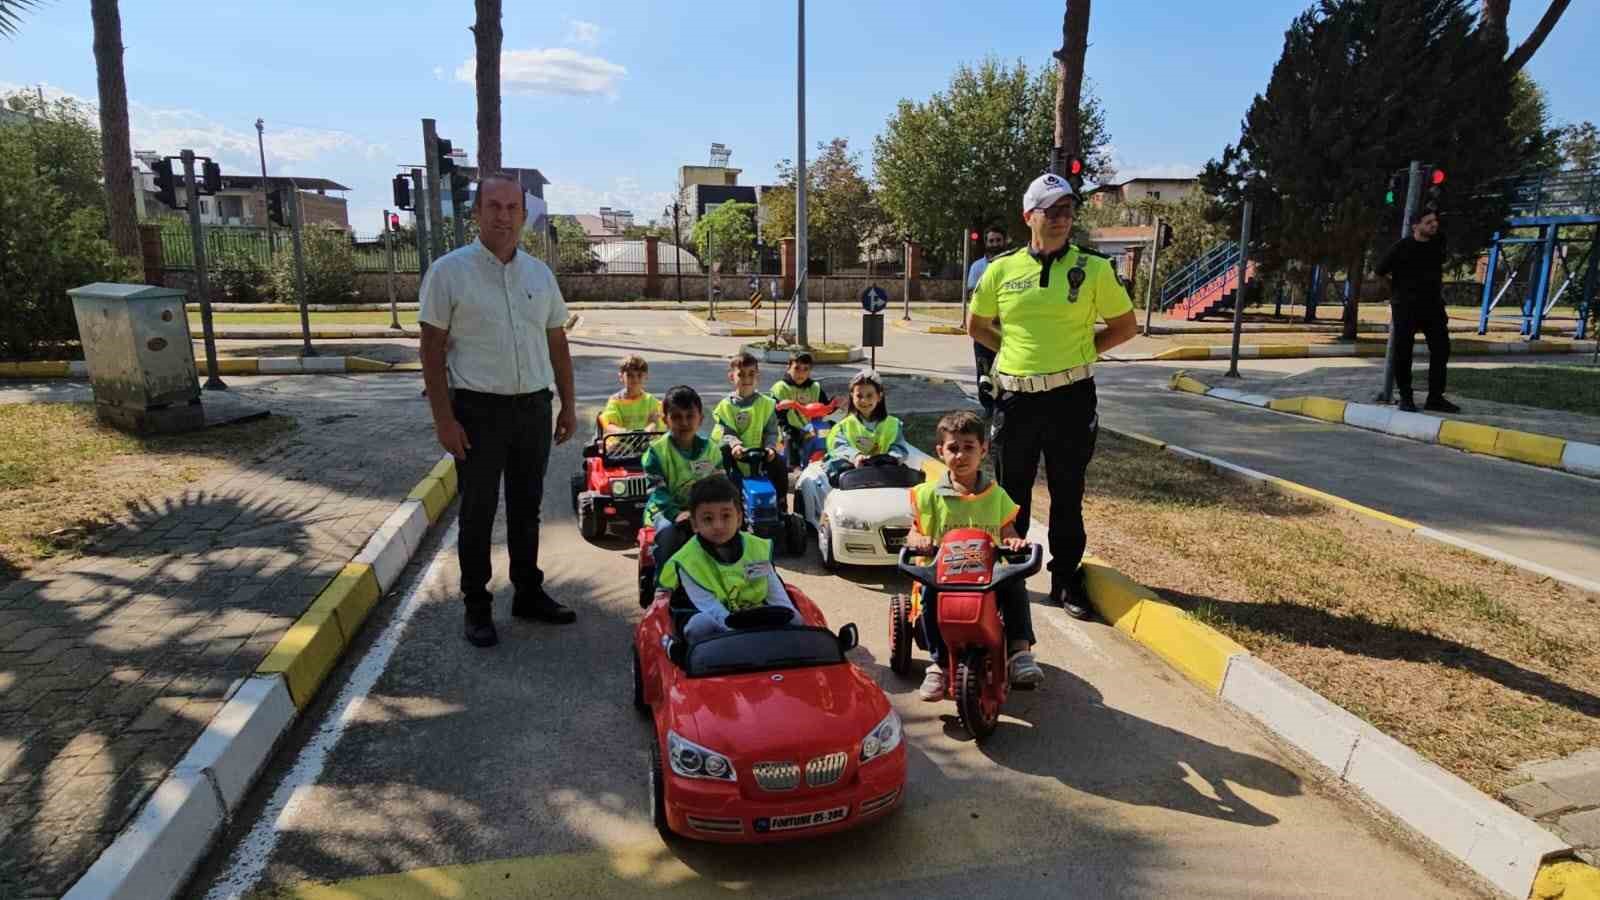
913	325
722	329
230	365
157	852
1543	450
780	356
1363	349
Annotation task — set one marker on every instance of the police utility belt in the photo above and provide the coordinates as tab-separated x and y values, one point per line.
1036	384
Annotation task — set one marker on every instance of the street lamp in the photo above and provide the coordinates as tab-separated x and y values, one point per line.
265	190
677	246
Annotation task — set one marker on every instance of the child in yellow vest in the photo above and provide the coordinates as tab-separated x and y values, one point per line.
867	431
673	463
967	497
631	409
747	418
722	569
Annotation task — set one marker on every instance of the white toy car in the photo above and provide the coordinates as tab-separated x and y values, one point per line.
865	519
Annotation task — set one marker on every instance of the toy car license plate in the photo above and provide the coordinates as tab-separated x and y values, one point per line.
803	820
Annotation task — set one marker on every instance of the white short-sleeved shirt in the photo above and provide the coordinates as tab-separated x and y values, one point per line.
498	316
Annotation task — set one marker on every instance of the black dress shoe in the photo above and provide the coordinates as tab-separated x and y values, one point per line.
541	607
479	628
1440	404
1406	404
1073	597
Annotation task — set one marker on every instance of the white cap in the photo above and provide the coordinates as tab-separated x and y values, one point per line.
1045	191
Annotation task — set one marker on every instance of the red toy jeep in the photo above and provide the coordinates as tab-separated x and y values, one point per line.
611	487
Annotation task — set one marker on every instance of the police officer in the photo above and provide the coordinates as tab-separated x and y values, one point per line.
1047	297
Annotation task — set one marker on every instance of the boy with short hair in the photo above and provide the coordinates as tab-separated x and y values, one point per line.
722	569
748	419
967	497
631	409
673	463
796	385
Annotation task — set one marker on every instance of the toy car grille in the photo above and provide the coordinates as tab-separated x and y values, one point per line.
894	538
825	770
634	486
777	776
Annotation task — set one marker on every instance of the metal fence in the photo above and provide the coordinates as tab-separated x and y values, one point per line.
230	247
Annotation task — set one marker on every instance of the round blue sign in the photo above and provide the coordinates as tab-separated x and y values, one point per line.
874	299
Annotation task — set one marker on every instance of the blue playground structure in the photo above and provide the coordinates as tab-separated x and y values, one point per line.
1564	207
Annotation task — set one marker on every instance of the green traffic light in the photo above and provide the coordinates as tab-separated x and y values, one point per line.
1388	198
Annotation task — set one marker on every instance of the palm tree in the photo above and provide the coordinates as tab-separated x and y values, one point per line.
488	36
11	15
116	151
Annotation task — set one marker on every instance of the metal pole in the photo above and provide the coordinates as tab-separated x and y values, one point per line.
459	217
300	270
1413	195
430	149
905	279
265	190
388	243
1150	289
191	194
711	276
1238	298
419	215
802	254
966	265
677	248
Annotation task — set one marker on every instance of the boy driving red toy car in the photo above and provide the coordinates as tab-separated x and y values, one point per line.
722	569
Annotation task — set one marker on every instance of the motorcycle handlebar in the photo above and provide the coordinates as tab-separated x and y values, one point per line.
1030	561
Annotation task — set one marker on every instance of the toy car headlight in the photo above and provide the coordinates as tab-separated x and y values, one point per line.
618	487
883	738
851	523
694	761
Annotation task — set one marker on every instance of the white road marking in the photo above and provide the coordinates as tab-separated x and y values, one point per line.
250	858
1077	636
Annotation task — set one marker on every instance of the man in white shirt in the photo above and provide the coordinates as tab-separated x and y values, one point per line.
994	244
493	346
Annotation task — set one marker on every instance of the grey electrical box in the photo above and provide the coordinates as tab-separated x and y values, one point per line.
140	356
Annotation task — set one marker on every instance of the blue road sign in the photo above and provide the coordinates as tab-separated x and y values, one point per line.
874	299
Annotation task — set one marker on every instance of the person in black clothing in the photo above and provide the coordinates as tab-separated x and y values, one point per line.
1415	267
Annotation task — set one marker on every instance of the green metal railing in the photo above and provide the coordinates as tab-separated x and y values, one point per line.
228	245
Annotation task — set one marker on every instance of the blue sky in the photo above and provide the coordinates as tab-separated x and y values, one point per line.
609	99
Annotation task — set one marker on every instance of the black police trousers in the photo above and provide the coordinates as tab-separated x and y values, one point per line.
1061	425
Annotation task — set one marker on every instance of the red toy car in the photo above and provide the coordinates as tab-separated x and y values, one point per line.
967	570
766	732
611	487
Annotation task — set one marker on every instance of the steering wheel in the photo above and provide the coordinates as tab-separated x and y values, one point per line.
757	617
884	460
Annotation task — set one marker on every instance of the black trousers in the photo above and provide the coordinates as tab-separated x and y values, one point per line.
1062	426
510	438
983	359
1431	321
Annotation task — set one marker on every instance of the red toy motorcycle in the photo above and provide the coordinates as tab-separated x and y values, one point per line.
968	569
817	427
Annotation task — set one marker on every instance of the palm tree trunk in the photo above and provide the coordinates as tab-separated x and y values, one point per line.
488	37
1069	81
116	152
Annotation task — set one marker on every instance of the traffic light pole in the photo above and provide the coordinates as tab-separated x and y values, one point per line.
420	215
388	243
966	266
1238	297
191	189
460	218
300	268
1150	289
430	147
1413	196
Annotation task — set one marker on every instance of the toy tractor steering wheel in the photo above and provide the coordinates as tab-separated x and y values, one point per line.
759	617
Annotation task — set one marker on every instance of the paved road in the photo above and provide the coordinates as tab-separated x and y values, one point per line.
520	771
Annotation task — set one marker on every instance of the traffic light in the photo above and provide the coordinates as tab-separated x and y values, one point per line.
275	201
459	182
166	185
1165	238
1074	167
394	222
402	191
1397	189
1435	178
210	178
974	236
444	148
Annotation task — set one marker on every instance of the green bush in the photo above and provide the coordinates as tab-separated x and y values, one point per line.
330	268
241	277
48	245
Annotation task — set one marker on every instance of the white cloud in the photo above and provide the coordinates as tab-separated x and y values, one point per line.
623	193
555	70
581	32
438	73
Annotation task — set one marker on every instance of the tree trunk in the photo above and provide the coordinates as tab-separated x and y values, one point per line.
116	151
1352	309
488	36
1069	82
1525	50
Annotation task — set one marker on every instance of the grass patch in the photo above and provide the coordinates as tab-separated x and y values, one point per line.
63	474
1565	388
1477	666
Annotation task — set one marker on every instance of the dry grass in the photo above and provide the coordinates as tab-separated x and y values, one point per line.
1474	664
63	474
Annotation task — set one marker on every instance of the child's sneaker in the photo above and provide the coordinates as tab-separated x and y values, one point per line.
1024	670
932	690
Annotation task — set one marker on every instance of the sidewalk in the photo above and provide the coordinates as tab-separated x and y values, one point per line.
114	661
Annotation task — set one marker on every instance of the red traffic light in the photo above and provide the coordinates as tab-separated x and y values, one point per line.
1074	166
394	222
973	236
1437	178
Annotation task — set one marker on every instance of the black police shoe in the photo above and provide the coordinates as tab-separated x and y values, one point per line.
1073	596
1440	404
1406	404
541	607
479	628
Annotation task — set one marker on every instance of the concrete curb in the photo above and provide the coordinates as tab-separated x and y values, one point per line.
820	357
232	365
158	851
719	329
921	328
1316	351
1531	448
